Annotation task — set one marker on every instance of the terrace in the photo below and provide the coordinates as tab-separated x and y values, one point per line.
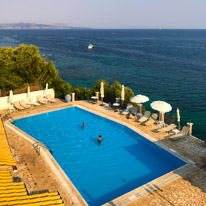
180	188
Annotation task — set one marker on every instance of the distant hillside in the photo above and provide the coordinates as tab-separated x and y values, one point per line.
35	26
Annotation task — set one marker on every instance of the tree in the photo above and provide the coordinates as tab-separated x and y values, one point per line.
114	91
22	65
61	87
128	95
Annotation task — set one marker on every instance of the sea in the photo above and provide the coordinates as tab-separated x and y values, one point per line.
167	65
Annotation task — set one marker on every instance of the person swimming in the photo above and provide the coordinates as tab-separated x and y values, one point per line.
83	125
100	140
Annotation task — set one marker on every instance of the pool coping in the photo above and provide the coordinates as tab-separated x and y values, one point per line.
71	191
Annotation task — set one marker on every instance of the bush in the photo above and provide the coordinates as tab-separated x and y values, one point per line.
61	87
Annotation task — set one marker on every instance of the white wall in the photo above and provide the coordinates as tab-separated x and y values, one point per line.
4	101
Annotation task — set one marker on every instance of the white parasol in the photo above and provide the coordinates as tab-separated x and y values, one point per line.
46	89
122	93
102	91
138	99
178	117
162	107
10	97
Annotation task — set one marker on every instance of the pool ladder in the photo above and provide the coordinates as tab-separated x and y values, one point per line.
37	146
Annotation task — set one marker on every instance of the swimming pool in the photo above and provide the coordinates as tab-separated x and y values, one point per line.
124	161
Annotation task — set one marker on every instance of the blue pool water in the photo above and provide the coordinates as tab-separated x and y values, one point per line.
124	161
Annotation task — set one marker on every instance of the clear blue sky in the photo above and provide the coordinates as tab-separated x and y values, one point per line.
107	13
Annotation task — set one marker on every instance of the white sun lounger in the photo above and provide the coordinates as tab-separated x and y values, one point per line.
41	100
151	120
50	99
167	129
184	132
23	104
18	106
145	117
35	103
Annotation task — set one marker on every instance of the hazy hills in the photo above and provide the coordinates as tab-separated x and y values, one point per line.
35	26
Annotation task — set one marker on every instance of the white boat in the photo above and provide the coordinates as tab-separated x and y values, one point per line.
90	46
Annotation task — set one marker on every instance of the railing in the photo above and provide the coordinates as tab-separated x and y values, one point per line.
37	146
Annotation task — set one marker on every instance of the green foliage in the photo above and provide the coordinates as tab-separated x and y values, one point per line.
85	94
169	119
96	86
22	65
113	91
128	95
61	87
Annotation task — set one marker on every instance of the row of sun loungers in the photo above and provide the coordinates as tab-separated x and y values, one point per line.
21	105
149	119
15	193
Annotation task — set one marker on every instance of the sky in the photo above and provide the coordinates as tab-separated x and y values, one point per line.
183	14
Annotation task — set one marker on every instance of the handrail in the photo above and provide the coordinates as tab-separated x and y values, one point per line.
38	145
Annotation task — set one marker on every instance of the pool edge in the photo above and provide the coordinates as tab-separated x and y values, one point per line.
71	190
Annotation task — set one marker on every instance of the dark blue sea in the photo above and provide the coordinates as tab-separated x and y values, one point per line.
167	65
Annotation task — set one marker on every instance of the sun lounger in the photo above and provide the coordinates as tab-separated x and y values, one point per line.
145	117
35	104
167	129
18	106
184	132
23	104
50	99
151	120
41	100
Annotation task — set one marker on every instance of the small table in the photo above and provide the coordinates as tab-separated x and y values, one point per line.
116	105
176	131
94	99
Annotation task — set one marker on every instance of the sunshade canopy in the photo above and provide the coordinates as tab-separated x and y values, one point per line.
139	99
122	93
102	89
161	106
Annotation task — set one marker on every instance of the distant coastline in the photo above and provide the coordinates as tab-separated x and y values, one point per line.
36	26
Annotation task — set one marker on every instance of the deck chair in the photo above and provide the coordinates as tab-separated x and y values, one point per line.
167	129
184	132
35	104
145	117
18	106
151	120
50	99
41	100
23	104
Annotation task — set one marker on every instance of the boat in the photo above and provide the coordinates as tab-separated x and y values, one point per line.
90	46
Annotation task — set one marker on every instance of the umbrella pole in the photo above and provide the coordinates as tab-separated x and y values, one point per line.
140	108
102	103
179	125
